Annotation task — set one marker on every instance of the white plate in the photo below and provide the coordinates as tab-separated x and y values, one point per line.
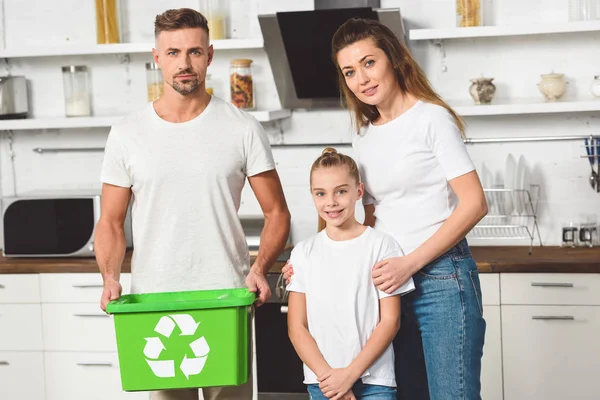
524	183
510	182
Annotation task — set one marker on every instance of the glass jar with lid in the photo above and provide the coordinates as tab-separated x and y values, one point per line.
216	16
242	84
469	13
76	91
107	21
154	81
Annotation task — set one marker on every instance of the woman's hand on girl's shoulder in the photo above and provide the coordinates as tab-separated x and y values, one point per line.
391	273
288	272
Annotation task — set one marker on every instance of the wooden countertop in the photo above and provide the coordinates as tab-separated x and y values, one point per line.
489	259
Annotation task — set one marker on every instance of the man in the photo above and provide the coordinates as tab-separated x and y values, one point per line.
184	160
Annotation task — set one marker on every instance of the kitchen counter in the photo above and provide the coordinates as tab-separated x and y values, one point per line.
491	259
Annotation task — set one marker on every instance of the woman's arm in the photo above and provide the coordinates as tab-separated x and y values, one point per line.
369	215
390	274
339	380
301	339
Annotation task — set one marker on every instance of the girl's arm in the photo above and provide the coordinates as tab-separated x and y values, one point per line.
337	381
303	342
369	215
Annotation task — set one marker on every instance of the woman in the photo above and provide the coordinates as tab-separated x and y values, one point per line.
421	188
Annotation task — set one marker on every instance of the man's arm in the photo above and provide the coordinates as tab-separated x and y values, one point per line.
267	189
109	243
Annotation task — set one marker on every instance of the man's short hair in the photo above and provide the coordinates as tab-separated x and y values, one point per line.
172	20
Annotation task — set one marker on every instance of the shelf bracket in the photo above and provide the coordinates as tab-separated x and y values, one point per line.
440	43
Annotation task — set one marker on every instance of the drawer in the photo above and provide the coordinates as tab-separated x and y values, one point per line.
18	289
550	289
77	327
490	289
76	288
89	376
22	375
20	327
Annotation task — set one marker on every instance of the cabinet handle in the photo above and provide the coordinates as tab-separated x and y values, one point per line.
551	284
88	285
4	363
553	317
94	364
92	315
284	309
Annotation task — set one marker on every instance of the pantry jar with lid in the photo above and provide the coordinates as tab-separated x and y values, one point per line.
241	84
469	13
107	21
154	81
76	91
216	16
208	85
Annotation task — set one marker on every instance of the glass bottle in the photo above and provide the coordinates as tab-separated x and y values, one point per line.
216	15
208	83
107	22
154	81
469	13
241	84
76	91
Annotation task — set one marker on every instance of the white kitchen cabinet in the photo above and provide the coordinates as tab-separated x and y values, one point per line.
76	288
22	375
551	352
89	376
491	363
20	327
19	289
551	289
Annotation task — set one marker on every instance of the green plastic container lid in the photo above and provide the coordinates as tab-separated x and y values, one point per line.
179	301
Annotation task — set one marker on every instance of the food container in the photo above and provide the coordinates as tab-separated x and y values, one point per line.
469	13
76	91
595	87
216	15
154	81
241	84
552	86
176	340
107	21
482	90
208	85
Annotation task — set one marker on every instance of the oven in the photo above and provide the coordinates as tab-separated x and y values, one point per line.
279	372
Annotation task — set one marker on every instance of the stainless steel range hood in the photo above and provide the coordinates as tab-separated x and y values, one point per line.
298	45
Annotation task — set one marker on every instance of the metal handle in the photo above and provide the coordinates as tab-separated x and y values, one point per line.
551	284
553	317
4	363
94	364
91	315
88	285
284	309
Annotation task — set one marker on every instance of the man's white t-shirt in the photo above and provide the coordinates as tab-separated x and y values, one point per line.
406	165
342	303
187	180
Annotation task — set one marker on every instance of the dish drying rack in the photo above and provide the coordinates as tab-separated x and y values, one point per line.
512	214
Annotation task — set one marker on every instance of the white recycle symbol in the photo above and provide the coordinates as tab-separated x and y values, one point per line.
154	346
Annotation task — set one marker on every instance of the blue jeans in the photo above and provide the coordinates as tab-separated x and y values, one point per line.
447	310
360	390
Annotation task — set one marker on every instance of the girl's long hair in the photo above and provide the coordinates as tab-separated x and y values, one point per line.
411	78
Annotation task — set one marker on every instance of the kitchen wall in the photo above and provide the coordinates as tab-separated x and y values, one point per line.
119	87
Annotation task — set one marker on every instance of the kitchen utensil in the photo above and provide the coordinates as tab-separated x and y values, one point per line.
13	97
589	148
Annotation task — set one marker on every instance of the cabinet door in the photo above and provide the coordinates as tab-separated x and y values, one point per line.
20	327
22	375
89	376
491	364
551	352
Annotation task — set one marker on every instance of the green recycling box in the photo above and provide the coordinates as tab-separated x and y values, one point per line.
174	340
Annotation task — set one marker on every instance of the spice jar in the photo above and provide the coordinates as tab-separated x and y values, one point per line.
107	22
208	85
154	81
469	13
241	84
76	88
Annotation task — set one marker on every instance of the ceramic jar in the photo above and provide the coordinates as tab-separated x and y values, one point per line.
482	90
596	86
552	86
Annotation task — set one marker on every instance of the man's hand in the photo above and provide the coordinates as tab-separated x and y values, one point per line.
112	291
336	383
257	283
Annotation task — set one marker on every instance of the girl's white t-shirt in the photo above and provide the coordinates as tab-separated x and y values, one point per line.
342	303
405	165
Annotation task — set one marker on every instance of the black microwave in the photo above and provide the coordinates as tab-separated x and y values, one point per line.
63	225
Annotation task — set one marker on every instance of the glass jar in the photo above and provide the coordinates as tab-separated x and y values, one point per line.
469	13
595	87
107	22
216	15
241	84
208	85
76	91
154	81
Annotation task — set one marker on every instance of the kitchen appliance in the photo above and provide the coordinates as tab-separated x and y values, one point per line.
298	45
14	103
52	224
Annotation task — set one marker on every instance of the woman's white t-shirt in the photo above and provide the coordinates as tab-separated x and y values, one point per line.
405	165
342	303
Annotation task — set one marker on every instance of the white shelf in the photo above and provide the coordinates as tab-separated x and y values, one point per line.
118	48
496	31
95	122
536	105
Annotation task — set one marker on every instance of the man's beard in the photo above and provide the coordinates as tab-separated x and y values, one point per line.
188	87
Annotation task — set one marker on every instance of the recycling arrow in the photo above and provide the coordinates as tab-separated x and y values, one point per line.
186	323
192	366
162	369
153	347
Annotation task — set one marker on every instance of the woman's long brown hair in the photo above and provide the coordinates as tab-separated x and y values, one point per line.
409	75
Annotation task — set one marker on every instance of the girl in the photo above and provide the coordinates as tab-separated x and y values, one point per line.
421	188
341	326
